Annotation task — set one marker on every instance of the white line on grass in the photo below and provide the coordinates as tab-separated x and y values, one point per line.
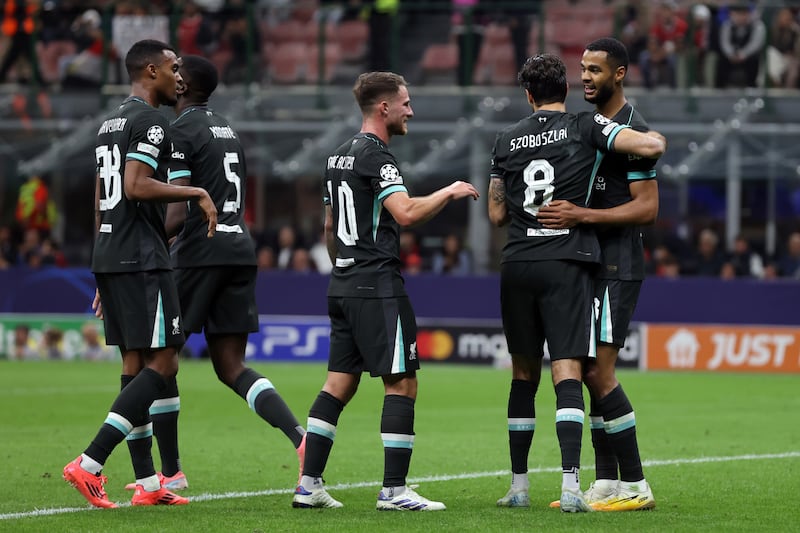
450	477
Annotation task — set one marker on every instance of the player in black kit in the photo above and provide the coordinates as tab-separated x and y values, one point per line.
216	278
625	197
373	327
135	291
546	276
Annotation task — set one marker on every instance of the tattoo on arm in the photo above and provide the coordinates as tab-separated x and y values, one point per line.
498	191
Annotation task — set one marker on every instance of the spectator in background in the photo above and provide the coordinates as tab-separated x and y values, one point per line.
467	25
19	26
708	258
287	242
783	51
741	39
265	258
8	249
319	254
745	262
789	264
85	69
410	256
51	347
635	22
24	346
519	16
381	21
700	40
50	254
452	258
195	35
658	62
30	248
93	349
55	37
35	210
234	38
301	261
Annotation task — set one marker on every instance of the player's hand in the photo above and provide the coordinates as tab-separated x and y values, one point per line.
559	214
209	212
462	189
97	306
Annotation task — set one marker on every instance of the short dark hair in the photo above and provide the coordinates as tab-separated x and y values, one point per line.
143	53
371	86
544	76
201	75
617	53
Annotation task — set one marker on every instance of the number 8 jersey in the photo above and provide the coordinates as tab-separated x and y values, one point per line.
548	156
358	177
131	236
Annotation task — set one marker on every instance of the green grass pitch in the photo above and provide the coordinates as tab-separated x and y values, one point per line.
722	453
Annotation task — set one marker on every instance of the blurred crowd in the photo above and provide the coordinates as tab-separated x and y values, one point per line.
717	43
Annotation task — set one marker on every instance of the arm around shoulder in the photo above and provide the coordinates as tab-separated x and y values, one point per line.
650	144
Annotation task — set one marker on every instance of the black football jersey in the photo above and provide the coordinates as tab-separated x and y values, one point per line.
621	246
548	156
358	177
207	150
131	237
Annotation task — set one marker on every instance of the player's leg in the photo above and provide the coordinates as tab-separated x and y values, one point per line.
524	334
227	354
566	306
344	374
617	303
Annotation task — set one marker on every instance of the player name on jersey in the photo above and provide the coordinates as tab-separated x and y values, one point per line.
111	125
341	162
534	140
222	132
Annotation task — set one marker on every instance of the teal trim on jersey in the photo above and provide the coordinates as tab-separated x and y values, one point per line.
642	175
606	330
258	387
143	158
141	432
116	425
522	427
614	134
598	158
391	190
322	432
178	174
630	117
377	208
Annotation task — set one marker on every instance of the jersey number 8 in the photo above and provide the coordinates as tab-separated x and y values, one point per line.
539	176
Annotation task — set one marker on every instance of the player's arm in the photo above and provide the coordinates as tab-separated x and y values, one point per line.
176	211
330	236
641	210
141	186
408	211
498	211
651	144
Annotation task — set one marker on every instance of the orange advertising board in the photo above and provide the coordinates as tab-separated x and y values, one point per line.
723	348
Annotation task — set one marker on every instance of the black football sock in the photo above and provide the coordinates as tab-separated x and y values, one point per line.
322	419
262	398
164	414
620	427
397	433
521	423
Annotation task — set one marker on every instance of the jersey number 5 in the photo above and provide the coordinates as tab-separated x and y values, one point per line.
539	176
108	164
232	206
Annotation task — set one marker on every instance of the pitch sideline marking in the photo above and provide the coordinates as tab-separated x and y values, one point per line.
364	484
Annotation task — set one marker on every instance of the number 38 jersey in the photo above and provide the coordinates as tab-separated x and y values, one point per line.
208	151
548	156
358	177
131	236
